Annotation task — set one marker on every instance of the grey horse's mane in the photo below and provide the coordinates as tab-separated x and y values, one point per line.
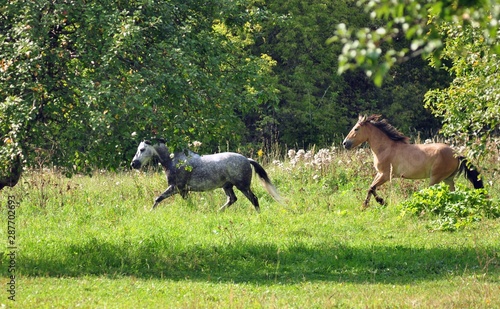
384	126
162	151
165	156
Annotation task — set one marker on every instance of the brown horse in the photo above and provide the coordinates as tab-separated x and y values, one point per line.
394	157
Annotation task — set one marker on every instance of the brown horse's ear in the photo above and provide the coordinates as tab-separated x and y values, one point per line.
374	117
361	118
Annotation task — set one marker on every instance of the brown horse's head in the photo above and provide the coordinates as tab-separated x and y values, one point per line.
362	131
358	133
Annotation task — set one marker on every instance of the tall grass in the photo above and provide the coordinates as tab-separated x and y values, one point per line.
92	242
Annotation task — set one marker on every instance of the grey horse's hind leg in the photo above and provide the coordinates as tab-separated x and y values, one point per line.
249	194
184	193
231	197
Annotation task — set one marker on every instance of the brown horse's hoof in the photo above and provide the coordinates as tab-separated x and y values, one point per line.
380	201
365	206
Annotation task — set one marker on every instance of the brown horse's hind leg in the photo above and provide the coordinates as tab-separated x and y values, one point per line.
450	182
444	172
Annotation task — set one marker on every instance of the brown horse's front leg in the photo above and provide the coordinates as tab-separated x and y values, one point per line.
379	180
372	191
378	198
366	203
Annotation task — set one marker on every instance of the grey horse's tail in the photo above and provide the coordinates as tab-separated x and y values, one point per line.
266	181
470	172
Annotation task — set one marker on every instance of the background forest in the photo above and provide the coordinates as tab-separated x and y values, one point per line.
82	82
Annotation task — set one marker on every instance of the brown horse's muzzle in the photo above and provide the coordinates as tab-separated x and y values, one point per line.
347	144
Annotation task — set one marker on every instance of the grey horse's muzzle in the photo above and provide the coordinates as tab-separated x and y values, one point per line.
136	164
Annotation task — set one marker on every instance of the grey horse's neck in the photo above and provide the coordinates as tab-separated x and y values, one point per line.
163	154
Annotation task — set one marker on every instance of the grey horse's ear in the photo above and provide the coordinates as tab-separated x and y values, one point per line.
147	142
161	140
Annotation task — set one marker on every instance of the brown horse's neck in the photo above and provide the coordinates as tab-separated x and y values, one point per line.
378	140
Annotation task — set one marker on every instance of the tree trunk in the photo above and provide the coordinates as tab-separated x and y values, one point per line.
12	178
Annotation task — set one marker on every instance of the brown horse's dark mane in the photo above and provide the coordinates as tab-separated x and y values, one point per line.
387	128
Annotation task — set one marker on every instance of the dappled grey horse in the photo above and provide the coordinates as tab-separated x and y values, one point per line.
188	171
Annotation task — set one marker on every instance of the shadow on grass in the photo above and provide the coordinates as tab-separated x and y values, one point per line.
262	264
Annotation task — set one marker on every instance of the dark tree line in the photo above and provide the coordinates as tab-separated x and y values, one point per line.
317	106
83	81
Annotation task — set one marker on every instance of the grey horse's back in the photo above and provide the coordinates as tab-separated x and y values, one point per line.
214	171
224	156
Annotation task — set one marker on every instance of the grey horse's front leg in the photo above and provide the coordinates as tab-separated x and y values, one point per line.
171	190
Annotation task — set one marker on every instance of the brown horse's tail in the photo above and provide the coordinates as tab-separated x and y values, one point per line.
266	181
470	172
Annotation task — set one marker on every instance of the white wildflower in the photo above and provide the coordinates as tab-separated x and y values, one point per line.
300	154
309	155
278	163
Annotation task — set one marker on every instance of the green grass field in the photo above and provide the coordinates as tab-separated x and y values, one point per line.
91	242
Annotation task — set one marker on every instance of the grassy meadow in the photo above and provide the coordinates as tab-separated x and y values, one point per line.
91	242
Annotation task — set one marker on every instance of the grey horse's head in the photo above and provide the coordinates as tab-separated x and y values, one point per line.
144	153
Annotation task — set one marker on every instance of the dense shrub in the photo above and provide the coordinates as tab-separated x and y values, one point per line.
451	210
